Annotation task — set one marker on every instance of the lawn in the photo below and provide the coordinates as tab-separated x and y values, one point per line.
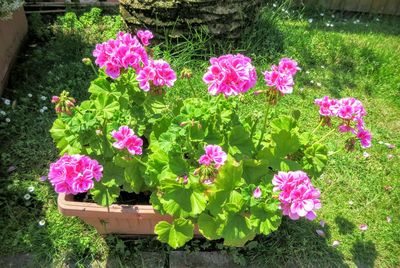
341	54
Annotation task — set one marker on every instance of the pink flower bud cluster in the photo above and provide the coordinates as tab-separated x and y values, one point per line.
298	197
126	138
281	77
230	75
63	103
73	174
351	111
213	154
123	52
157	73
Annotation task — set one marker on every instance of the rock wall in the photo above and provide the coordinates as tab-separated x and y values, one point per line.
221	18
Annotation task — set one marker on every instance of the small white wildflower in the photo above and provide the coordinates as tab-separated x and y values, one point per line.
331	153
2	112
389	219
8	120
274	5
390	156
335	244
377	19
333	16
322	14
327	24
310	20
322	66
301	89
27	196
31	189
366	155
380	142
41	110
30	95
331	25
7	102
312	81
322	223
366	25
42	223
390	146
319	85
43	98
45	108
351	203
307	72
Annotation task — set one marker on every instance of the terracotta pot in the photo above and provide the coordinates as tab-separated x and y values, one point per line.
116	219
12	33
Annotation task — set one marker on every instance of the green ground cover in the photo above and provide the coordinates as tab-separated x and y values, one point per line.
358	56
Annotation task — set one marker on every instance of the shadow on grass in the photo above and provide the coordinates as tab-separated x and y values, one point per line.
345	226
364	253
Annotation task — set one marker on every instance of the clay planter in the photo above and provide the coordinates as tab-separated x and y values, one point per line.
12	33
116	219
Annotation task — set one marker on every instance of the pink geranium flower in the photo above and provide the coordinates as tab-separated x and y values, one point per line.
288	66
213	154
73	174
257	192
145	37
121	53
230	75
157	73
126	138
365	138
298	198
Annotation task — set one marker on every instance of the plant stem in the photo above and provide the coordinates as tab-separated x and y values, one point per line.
317	127
190	85
264	123
94	69
325	136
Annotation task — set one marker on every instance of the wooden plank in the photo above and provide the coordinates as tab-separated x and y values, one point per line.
378	6
45	11
351	5
391	7
364	5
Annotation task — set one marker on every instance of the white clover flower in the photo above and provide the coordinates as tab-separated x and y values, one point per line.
45	108
312	81
7	101
31	189
322	14
307	72
322	66
319	85
331	25
274	5
351	203
8	120
42	223
333	16
366	155
41	110
30	95
335	244
27	196
310	20
2	112
327	24
43	98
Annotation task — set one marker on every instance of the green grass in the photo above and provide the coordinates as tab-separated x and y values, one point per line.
349	59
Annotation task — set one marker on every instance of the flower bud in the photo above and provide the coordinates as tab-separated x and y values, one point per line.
87	61
186	73
55	99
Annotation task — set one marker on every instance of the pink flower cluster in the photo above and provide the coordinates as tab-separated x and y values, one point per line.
298	198
281	77
351	111
121	53
230	75
145	37
73	174
213	153
126	138
157	73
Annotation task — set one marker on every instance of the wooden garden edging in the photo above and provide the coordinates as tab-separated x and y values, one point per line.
391	7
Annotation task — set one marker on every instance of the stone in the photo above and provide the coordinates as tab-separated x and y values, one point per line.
17	261
175	18
182	259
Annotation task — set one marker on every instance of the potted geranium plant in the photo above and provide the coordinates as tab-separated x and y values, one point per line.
203	169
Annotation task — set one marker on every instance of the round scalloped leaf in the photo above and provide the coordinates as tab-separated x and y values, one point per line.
175	234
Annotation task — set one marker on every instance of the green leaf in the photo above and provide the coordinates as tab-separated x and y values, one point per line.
315	158
181	202
217	200
253	170
239	137
105	192
100	86
208	226
106	105
229	175
167	141
266	217
286	142
134	177
283	123
175	234
237	230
